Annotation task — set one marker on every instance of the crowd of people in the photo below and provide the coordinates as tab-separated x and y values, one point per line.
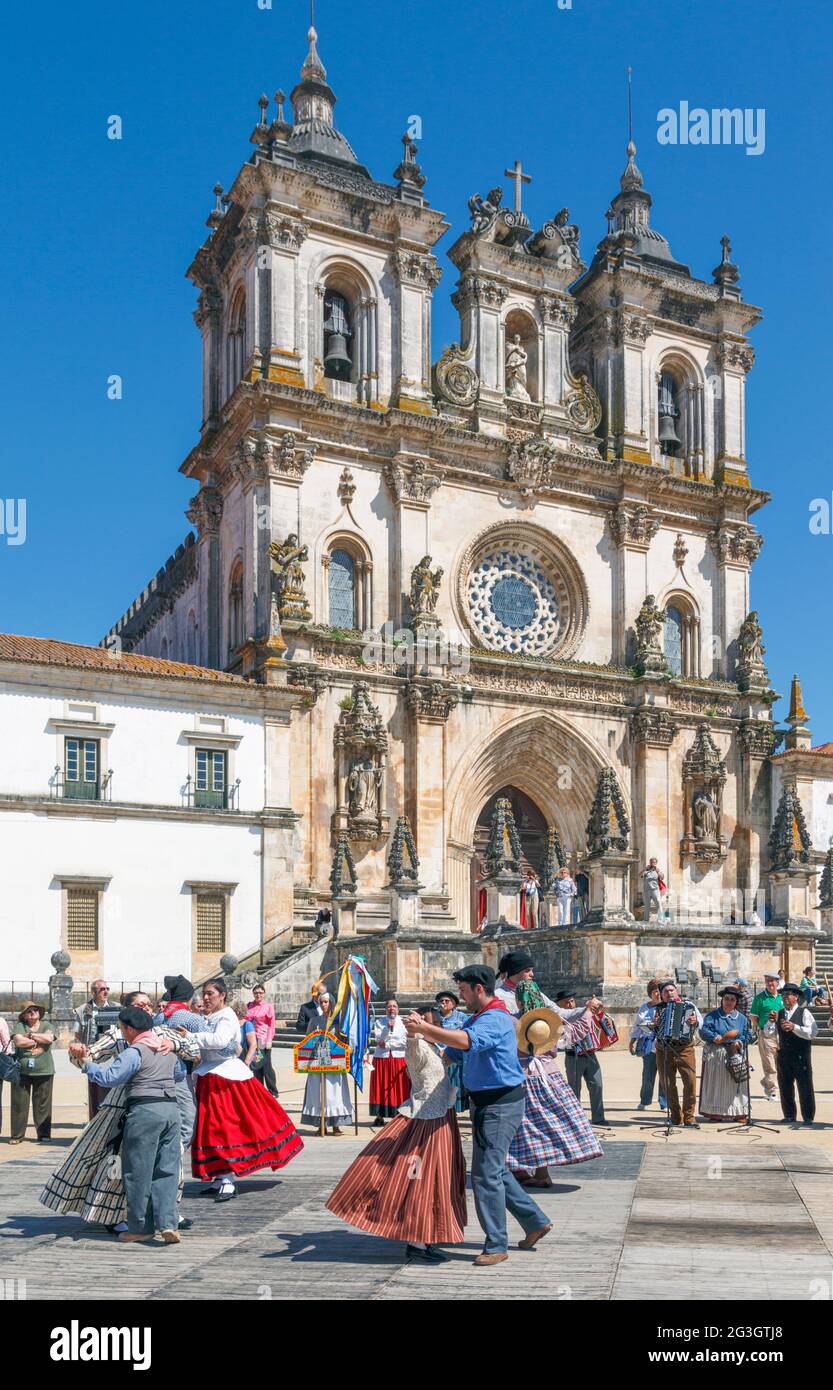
189	1081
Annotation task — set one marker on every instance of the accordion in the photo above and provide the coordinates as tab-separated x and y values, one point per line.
673	1026
97	1022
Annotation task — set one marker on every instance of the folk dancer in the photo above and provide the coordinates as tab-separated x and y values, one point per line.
487	1047
88	1182
175	1012
726	1034
580	1060
337	1103
240	1127
675	1056
643	1043
794	1064
262	1014
452	1016
151	1149
389	1083
529	901
763	1013
378	1192
554	1128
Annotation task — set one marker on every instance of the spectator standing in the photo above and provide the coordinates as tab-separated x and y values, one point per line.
565	891
643	1043
32	1041
262	1015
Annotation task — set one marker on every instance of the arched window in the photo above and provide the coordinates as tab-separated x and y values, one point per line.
521	376
236	342
348	574
342	589
682	636
235	609
674	640
338	336
669	414
347	336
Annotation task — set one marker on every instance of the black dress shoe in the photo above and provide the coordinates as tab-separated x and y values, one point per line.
416	1252
185	1224
436	1256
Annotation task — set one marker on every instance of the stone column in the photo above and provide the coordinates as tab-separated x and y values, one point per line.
279	822
412	481
633	525
417	276
61	1012
429	704
502	879
652	732
756	739
635	404
734	359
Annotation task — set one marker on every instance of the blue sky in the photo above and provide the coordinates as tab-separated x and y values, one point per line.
98	235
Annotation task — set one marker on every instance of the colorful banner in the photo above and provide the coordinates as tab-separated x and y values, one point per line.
351	1015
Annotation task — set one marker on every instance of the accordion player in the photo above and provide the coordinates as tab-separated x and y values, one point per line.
677	1023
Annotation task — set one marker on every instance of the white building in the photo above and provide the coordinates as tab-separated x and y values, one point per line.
137	820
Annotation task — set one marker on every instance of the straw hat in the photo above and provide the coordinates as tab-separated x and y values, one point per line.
538	1031
30	1004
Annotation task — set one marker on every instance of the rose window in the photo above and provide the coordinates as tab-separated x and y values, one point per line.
517	600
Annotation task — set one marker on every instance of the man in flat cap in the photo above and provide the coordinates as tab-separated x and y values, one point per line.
487	1047
763	1012
796	1030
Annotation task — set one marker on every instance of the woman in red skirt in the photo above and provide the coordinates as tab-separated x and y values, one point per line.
240	1127
390	1085
410	1182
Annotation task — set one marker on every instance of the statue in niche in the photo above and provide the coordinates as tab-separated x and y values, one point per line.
705	816
425	587
516	360
363	786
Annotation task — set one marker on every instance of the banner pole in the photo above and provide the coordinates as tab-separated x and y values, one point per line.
356	1105
323	1128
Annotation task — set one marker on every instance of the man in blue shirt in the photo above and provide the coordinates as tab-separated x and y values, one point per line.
487	1047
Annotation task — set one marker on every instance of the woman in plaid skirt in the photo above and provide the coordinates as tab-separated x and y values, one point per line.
555	1129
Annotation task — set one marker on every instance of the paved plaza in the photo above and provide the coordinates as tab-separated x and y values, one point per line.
654	1219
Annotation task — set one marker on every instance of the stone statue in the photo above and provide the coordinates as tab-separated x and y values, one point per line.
484	210
705	816
650	622
516	359
749	639
425	587
363	786
569	232
287	559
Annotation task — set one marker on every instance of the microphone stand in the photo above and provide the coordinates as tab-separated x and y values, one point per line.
749	1124
668	1128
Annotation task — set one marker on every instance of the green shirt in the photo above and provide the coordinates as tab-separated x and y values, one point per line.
763	1005
41	1065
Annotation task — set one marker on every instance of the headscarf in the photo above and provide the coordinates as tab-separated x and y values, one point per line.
528	996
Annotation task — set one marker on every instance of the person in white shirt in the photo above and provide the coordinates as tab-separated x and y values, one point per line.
529	901
565	891
794	1064
390	1085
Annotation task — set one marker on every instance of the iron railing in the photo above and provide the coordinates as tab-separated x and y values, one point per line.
207	799
62	788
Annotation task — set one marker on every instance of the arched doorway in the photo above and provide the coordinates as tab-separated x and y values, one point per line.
532	830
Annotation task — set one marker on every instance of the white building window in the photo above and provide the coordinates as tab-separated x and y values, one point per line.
82	919
210	923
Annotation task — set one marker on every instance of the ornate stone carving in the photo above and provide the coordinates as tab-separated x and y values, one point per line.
413	269
412	482
484	211
308	676
704	777
431	700
634	526
751	673
408	173
557	310
474	289
631	328
608	827
735	355
653	726
553	861
558	240
502	855
343	871
403	863
346	487
284	232
206	511
680	551
530	464
650	623
454	379
758	737
361	744
789	843
584	409
425	589
287	558
288	458
740	543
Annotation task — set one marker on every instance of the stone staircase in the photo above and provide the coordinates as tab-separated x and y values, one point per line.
824	966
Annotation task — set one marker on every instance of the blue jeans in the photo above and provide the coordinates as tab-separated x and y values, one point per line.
649	1075
494	1187
187	1108
150	1159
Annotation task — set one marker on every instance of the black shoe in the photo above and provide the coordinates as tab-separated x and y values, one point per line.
208	1190
690	1124
185	1223
415	1252
378	1122
226	1196
436	1256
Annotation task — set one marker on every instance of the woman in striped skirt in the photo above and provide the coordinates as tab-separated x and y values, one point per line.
409	1183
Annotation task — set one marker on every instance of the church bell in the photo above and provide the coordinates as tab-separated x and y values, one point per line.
337	361
667	412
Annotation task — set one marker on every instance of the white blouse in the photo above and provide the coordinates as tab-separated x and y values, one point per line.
390	1038
219	1044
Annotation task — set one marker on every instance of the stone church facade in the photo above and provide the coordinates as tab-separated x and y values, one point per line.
501	595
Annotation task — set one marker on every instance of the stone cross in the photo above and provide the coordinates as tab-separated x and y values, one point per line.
518	177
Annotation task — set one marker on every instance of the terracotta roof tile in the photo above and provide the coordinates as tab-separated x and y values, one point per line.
42	651
825	748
